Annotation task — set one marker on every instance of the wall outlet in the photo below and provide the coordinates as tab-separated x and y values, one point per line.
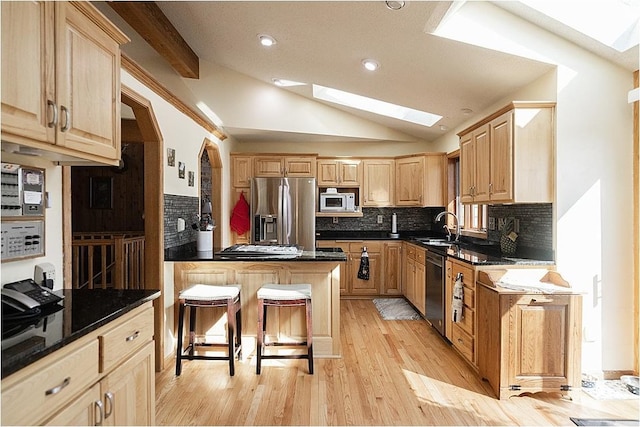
335	219
45	274
492	223
379	219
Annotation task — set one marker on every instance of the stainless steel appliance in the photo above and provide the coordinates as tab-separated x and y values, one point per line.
435	295
337	202
283	211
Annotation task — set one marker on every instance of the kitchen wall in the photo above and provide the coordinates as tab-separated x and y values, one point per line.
408	220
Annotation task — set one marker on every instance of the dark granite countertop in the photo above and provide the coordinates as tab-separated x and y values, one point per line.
81	312
320	254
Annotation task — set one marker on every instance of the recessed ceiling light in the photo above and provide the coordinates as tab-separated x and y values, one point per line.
266	40
370	64
466	111
394	5
443	127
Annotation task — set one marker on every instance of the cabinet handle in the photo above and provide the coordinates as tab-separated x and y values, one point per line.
100	408
54	122
108	396
490	188
460	341
540	301
133	337
57	389
67	118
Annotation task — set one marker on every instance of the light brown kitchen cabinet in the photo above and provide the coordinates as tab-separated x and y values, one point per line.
462	334
508	157
339	172
244	238
392	268
528	342
61	80
241	171
378	182
420	180
351	285
415	284
280	166
106	376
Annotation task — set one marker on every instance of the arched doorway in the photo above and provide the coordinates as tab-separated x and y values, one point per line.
215	164
153	210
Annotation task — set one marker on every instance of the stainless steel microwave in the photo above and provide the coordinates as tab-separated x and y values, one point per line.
337	202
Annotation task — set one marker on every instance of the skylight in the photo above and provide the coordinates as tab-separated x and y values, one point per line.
375	106
614	23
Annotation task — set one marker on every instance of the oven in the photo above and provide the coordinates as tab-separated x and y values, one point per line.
435	293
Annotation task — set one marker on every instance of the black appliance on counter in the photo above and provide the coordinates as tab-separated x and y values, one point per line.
435	290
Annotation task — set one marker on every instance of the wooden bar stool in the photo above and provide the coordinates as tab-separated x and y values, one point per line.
210	296
283	296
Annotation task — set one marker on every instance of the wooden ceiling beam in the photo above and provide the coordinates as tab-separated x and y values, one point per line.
146	18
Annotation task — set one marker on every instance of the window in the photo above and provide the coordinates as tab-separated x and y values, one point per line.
473	218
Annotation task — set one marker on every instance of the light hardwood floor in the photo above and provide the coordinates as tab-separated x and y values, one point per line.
391	373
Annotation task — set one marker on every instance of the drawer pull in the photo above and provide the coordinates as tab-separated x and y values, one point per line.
100	407
540	301
135	335
460	341
54	108
57	389
108	396
67	121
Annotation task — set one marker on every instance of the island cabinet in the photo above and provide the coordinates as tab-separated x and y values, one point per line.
281	166
528	342
378	182
462	333
339	172
421	180
61	80
106	377
508	157
414	276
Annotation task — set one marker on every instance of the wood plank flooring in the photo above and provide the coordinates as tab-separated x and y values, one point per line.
391	373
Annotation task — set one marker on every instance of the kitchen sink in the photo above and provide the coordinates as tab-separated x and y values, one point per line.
436	242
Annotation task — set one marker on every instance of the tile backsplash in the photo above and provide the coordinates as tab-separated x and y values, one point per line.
179	207
536	224
408	219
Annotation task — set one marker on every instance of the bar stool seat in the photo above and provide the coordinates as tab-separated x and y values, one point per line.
203	296
276	295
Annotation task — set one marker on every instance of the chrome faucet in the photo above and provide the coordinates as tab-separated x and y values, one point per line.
439	217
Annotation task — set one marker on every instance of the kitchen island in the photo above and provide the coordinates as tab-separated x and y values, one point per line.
321	269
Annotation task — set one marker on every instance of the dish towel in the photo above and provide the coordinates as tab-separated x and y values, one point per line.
456	303
240	222
363	271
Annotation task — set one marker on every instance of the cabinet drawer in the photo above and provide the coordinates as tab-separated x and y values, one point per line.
47	385
467	275
372	247
421	256
463	342
469	298
411	252
124	339
467	322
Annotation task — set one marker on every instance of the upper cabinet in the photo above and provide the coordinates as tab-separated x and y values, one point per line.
339	173
421	180
61	80
241	171
289	166
508	157
378	182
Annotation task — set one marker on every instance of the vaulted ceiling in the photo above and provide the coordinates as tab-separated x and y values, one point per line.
324	43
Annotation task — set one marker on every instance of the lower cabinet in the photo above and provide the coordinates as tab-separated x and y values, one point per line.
69	386
529	342
415	284
462	334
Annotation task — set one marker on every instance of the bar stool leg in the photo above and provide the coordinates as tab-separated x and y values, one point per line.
239	329
192	329
231	320
180	331
309	335
261	327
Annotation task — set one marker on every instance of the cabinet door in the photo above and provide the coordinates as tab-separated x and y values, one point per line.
501	160
391	281
467	168
327	172
236	238
483	166
268	166
420	282
379	179
27	79
448	297
410	285
300	166
410	181
360	286
540	332
129	392
349	173
87	84
86	410
242	171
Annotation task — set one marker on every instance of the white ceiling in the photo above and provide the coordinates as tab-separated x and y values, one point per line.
325	42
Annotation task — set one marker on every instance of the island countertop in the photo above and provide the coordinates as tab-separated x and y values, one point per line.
319	254
81	312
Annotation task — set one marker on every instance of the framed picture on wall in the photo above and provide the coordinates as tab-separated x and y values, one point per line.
192	178
181	169
101	192
171	157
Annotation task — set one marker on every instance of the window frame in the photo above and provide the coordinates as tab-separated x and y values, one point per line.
464	212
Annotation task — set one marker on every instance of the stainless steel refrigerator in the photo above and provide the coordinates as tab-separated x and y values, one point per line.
283	211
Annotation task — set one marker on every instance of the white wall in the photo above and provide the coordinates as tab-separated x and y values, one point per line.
23	269
593	180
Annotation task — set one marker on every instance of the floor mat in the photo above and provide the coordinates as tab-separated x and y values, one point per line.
609	390
395	309
603	422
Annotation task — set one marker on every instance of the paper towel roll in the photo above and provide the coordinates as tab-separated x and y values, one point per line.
394	224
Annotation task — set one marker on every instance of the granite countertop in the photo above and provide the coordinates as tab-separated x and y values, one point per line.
320	254
81	312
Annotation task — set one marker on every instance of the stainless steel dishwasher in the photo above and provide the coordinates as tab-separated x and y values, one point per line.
435	293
